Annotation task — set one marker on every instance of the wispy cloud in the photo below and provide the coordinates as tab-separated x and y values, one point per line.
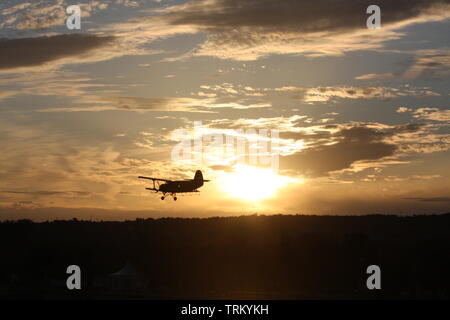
168	104
323	94
252	29
426	65
435	199
433	114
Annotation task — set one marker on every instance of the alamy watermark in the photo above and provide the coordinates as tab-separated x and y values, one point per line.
73	22
74	280
374	280
209	146
373	21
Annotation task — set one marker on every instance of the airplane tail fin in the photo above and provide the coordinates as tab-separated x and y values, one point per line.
198	176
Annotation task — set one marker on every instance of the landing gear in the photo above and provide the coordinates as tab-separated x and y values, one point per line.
171	194
174	196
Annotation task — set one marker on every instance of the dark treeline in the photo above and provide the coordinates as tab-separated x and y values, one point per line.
275	257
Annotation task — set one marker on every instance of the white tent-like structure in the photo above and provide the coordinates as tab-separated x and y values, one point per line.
127	271
126	279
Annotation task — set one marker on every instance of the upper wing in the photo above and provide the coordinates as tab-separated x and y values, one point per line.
154	179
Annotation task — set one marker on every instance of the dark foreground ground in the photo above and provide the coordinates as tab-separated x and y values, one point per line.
253	257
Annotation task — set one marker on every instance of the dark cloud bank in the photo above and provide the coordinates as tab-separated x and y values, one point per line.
28	52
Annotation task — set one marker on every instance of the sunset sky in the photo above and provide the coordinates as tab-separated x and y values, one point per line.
363	115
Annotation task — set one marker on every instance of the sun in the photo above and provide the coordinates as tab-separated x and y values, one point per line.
252	183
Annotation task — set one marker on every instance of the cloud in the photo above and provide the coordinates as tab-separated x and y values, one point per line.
39	15
70	171
403	110
33	31
320	150
323	94
433	114
429	65
428	113
70	194
55	83
344	147
248	30
320	94
224	142
240	30
371	76
28	15
168	104
426	65
30	52
292	15
25	205
354	147
7	94
86	95
280	123
431	199
129	3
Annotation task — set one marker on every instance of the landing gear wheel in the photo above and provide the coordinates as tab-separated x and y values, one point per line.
174	198
162	198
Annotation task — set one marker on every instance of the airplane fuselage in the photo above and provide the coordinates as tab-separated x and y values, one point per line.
180	186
